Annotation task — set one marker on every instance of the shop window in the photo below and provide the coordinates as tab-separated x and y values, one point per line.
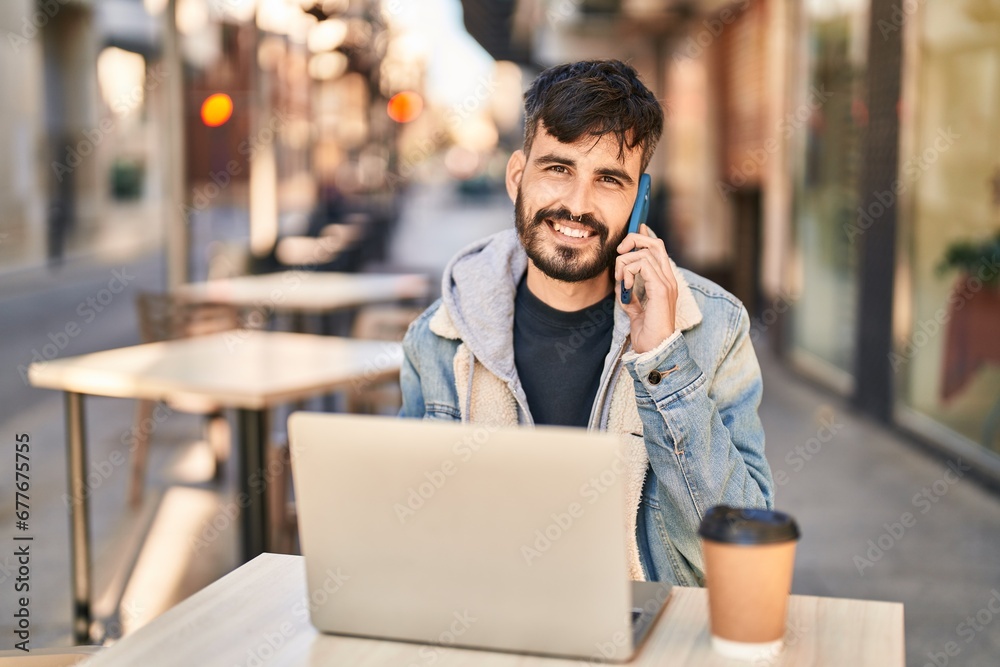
946	352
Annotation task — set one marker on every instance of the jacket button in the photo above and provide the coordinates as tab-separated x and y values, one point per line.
654	377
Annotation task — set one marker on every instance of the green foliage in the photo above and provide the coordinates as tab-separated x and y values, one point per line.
974	258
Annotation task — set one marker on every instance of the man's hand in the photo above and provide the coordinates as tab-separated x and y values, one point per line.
653	321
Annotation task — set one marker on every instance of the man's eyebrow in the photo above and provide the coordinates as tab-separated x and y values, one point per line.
553	158
620	174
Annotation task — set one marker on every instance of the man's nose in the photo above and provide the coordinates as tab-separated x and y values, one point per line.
579	198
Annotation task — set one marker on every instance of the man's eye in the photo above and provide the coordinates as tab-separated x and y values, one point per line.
612	180
558	168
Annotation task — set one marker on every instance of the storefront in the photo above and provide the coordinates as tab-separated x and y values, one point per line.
944	356
826	162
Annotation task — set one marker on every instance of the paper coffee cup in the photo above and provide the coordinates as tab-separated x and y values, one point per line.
749	558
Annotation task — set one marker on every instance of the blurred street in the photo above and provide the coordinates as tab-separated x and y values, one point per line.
846	480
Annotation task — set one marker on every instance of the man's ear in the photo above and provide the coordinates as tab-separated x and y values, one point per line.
515	170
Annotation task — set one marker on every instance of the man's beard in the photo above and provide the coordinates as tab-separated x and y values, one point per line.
566	263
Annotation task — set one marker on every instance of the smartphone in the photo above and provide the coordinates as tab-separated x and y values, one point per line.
639	212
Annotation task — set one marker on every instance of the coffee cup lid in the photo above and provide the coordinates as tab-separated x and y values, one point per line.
736	525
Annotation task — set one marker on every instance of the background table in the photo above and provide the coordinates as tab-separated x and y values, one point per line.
243	369
300	294
259	613
307	291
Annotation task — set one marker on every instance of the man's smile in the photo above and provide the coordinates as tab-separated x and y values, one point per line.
569	250
568	230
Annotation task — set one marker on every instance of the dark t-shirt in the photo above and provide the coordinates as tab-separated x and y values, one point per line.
559	356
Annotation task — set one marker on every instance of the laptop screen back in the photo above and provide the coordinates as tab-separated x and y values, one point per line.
509	539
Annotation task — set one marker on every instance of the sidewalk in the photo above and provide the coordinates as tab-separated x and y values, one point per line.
880	518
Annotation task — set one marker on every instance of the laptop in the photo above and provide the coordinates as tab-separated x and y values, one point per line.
507	539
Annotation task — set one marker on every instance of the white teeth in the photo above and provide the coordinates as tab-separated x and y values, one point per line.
575	233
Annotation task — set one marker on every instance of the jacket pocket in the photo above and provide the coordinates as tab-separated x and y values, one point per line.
666	556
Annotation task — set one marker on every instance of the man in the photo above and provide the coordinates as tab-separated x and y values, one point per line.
530	327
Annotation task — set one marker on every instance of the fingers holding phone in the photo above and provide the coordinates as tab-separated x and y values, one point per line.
644	258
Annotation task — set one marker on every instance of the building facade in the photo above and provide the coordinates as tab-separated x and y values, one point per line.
81	168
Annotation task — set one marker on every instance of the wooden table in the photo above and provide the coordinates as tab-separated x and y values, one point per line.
258	615
307	291
248	370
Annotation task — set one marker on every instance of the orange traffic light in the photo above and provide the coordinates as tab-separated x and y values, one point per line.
405	106
216	109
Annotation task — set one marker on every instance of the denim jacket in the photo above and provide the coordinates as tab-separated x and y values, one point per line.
686	411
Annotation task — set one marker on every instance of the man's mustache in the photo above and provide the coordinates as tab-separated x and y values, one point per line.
585	220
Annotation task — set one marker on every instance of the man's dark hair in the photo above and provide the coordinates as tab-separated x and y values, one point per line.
594	97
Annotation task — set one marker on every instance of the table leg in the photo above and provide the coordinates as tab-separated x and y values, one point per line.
76	458
252	435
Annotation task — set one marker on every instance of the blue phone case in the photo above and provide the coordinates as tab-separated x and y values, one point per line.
639	212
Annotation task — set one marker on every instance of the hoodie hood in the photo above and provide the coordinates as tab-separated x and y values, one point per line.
478	289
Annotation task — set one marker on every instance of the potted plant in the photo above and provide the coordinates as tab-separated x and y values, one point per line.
981	259
973	316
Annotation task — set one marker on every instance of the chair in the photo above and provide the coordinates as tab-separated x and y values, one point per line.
387	323
164	317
